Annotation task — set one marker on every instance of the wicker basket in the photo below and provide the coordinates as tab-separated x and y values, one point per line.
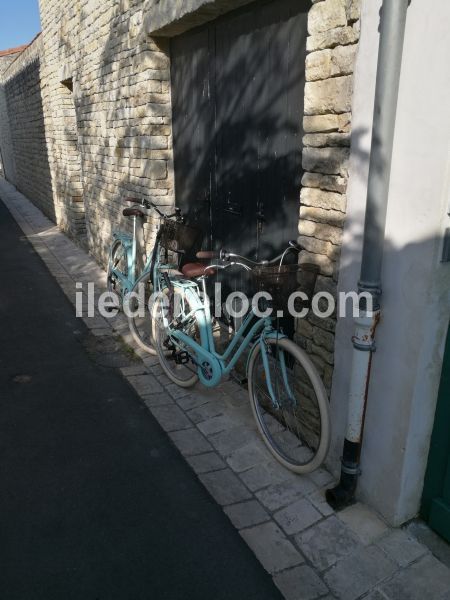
178	237
281	281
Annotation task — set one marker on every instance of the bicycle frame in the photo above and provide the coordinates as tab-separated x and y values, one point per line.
130	245
222	364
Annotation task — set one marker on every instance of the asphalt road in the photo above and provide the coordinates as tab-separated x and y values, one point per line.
95	501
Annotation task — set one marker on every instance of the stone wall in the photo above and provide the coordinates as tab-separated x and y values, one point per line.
333	28
7	167
106	103
122	112
23	132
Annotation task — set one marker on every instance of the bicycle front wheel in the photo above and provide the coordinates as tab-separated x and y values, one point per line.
290	404
139	313
173	356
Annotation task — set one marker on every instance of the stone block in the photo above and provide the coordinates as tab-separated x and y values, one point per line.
246	514
297	517
329	96
205	463
363	522
327	542
322	140
340	123
341	36
225	487
190	442
401	547
321	231
427	578
358	573
300	583
331	183
170	417
328	161
327	63
271	547
321	215
326	15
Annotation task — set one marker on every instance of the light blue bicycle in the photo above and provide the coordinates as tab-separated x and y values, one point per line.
134	290
287	395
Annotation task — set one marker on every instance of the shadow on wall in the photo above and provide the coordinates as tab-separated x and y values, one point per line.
28	137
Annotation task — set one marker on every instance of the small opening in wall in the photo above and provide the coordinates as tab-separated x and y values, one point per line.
68	83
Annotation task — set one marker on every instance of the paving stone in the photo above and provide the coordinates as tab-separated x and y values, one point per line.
228	441
225	487
204	463
297	517
150	361
176	391
134	370
215	425
281	494
271	547
152	400
248	456
190	442
327	542
401	547
358	573
145	384
300	583
318	500
364	522
428	578
170	417
263	475
200	412
246	514
321	477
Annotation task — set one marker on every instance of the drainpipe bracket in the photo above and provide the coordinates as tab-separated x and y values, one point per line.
350	469
364	347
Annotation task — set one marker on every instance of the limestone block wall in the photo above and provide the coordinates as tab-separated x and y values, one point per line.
22	127
333	34
105	131
121	112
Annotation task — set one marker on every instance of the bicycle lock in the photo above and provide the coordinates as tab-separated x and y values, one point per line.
392	33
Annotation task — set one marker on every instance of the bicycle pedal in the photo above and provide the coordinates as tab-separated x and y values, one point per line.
181	358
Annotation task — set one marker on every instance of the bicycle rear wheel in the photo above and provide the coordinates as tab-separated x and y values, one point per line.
118	261
171	352
294	421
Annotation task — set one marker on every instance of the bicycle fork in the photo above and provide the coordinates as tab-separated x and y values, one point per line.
282	361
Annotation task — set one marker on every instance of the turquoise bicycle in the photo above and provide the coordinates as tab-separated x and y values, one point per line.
134	291
287	396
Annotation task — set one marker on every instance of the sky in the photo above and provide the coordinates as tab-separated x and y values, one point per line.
19	22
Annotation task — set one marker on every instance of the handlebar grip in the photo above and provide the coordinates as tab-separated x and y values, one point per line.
295	245
207	254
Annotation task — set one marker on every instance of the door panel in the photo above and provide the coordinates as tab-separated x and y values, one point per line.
436	492
193	126
246	135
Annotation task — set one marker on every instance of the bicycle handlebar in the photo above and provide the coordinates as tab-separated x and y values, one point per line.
149	205
225	256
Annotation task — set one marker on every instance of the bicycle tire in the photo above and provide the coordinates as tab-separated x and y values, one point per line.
117	261
141	327
179	374
275	423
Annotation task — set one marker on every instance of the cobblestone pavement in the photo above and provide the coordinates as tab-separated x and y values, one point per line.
310	551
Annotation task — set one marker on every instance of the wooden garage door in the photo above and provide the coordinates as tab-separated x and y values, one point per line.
237	94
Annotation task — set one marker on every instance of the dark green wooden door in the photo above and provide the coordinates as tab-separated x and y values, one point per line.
436	493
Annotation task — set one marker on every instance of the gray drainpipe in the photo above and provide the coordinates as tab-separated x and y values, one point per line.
392	33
